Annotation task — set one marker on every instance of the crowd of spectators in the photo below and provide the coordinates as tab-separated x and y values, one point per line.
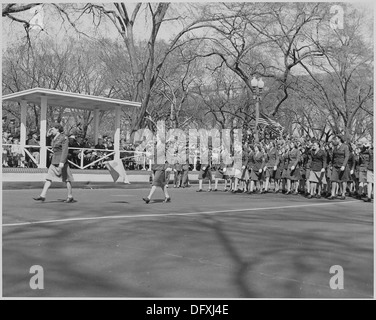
94	155
12	153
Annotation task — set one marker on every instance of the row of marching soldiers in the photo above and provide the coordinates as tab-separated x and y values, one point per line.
314	169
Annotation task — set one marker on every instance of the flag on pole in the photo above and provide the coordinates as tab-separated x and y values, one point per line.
117	171
262	121
269	121
266	121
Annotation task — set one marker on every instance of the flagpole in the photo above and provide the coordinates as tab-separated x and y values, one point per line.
257	120
257	84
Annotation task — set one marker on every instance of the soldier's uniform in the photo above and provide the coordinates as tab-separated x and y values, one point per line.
59	155
340	159
294	158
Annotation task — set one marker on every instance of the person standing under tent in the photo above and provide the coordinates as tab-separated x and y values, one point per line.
99	154
159	180
59	169
35	151
340	169
73	151
18	154
317	167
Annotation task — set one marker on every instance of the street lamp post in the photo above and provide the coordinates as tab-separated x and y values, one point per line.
257	87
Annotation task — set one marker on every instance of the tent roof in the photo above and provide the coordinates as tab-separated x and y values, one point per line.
68	99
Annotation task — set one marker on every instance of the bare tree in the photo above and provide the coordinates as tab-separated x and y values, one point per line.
262	40
342	80
72	67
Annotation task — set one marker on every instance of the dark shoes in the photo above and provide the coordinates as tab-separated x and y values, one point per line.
331	198
199	190
367	200
69	200
147	200
42	199
309	196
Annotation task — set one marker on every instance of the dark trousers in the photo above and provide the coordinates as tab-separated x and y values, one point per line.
177	178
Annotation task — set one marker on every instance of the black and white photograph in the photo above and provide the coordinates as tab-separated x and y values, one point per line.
161	151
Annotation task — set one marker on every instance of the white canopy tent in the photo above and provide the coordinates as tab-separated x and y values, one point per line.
55	98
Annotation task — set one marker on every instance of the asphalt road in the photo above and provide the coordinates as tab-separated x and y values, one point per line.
202	245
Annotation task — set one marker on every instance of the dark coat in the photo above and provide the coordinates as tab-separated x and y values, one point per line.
60	149
340	156
317	161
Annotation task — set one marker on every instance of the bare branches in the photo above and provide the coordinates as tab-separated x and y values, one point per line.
65	15
14	8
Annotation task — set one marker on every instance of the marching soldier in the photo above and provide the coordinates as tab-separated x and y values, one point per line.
293	171
340	169
159	180
317	167
257	165
272	161
59	169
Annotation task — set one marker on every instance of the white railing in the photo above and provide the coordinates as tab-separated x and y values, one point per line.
23	150
140	157
104	154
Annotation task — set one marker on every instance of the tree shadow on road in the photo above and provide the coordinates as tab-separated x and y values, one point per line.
258	255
